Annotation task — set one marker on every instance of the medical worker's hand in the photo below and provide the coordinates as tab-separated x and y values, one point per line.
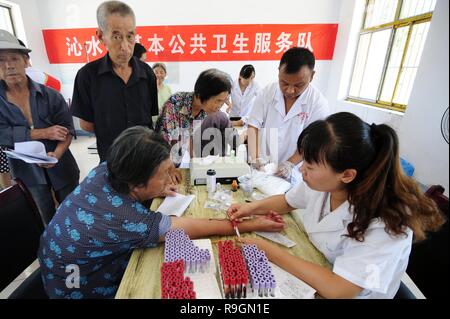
238	211
285	170
258	163
264	223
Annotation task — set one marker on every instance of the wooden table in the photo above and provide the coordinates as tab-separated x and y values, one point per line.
142	276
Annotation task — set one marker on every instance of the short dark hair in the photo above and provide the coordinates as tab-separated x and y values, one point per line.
210	83
139	50
295	58
134	157
247	71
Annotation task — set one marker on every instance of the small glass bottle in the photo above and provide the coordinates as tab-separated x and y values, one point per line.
211	181
234	186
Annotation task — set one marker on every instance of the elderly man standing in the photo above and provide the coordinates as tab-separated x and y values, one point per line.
31	111
117	91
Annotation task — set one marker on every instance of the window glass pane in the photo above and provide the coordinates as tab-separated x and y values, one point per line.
411	8
360	63
412	60
380	12
373	64
398	47
5	19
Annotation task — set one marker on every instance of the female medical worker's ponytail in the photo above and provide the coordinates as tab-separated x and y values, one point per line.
380	189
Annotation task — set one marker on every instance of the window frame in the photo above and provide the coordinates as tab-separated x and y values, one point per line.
9	9
394	25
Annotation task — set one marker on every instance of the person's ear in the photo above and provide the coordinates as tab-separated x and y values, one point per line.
312	75
348	175
27	61
99	33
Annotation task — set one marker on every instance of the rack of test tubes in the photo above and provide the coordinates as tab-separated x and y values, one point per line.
179	246
244	269
262	278
173	283
234	273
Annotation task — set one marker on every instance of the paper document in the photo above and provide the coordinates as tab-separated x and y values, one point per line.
175	206
186	160
32	152
269	184
277	237
289	286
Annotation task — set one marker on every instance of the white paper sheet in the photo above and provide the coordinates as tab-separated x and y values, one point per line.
205	284
175	206
277	237
32	152
290	287
186	160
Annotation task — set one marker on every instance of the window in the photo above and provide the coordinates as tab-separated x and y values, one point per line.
390	46
6	22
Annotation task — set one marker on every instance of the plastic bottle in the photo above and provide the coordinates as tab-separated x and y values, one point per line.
211	181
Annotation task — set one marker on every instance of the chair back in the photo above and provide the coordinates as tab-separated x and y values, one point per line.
429	260
21	226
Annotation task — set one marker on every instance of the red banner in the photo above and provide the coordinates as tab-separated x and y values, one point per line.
246	42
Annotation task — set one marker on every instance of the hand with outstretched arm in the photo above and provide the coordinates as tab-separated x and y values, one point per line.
275	203
200	228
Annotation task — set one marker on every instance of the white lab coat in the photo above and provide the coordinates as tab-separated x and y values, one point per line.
377	264
242	103
279	131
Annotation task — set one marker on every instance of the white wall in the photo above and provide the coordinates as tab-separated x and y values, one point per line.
420	130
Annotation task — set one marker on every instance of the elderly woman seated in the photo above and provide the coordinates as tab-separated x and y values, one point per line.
99	224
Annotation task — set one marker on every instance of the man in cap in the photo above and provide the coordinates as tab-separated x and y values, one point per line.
30	111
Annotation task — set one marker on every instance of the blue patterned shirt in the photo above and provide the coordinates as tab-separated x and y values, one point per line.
95	230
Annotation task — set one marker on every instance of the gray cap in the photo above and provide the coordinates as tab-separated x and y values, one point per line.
10	42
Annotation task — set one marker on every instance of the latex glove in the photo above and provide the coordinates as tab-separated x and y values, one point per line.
285	170
259	163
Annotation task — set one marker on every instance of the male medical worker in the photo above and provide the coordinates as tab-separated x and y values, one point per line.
283	109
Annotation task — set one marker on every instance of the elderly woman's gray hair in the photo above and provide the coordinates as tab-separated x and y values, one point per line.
134	157
108	8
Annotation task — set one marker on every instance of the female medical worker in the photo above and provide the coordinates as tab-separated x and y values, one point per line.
359	209
243	93
283	109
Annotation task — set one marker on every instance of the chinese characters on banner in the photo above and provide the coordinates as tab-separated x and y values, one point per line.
245	42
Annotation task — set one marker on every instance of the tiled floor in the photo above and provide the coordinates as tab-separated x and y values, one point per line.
85	162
